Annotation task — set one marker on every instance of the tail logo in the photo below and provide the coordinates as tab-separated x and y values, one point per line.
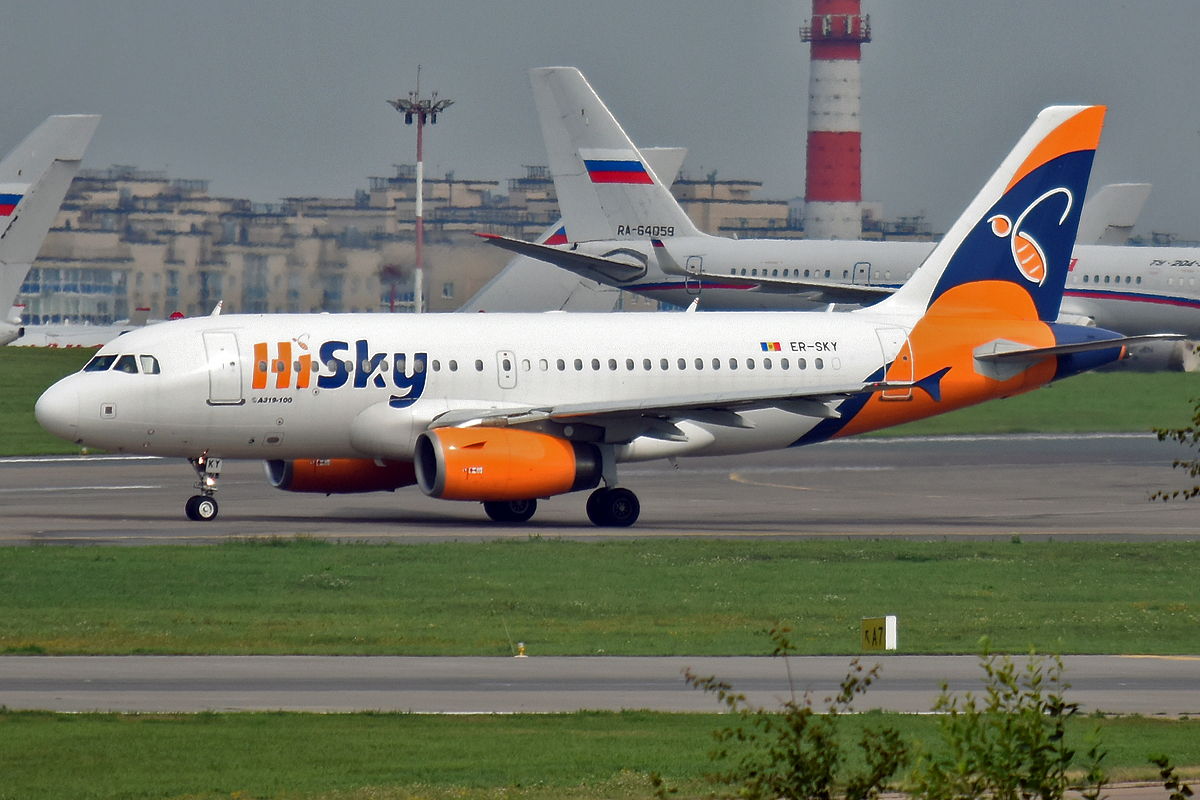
1028	255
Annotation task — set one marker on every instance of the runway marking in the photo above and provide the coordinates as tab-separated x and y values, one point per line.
134	487
736	477
72	459
1164	658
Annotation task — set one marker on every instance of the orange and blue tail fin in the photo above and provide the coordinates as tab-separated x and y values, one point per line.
1015	239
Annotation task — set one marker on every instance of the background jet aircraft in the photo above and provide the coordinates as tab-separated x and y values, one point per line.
34	177
624	228
504	409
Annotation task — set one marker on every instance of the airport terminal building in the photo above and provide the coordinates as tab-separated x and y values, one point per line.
129	238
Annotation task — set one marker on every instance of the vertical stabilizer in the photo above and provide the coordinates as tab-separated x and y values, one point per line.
1013	243
34	177
606	189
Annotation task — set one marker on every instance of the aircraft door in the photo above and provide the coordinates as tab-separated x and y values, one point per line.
862	273
224	369
897	357
693	274
506	369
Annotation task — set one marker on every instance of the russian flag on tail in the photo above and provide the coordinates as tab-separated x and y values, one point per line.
9	202
615	166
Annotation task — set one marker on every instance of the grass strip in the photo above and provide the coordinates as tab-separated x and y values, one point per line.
685	597
285	755
1110	401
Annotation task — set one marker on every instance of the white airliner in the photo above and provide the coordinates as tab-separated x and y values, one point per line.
623	227
504	409
34	178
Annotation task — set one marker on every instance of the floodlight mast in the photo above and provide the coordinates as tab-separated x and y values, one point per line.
416	108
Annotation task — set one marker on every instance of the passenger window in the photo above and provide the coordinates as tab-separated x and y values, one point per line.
749	363
716	363
733	363
543	364
683	363
126	364
1106	278
1127	279
101	363
774	273
1085	278
479	365
579	365
435	365
453	365
784	364
699	363
150	365
349	365
562	365
525	365
629	364
419	365
595	363
664	364
646	365
766	363
826	273
507	365
801	363
612	364
806	273
819	363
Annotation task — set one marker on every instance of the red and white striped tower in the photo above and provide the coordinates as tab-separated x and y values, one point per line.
833	183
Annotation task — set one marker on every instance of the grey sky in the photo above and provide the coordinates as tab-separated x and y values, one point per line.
272	99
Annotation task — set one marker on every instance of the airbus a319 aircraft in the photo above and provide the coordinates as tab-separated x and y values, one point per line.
506	409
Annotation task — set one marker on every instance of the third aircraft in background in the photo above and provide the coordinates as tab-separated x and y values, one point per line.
622	227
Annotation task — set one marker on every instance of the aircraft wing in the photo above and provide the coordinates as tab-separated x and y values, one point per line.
630	419
1003	350
629	265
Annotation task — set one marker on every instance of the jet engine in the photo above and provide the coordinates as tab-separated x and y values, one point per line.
339	475
490	464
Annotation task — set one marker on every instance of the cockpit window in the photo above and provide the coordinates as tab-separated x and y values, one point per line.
126	364
149	365
100	363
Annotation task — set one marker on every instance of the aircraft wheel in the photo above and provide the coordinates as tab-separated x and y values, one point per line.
201	508
510	510
595	507
613	508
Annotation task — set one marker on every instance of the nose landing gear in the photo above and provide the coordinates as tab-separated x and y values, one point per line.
203	507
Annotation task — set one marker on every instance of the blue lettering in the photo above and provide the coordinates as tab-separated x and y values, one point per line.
365	369
339	376
413	385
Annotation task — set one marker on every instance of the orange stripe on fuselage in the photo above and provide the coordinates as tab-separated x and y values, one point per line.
284	380
1080	132
260	366
961	320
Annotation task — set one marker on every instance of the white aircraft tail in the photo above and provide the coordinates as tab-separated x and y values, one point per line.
606	189
1110	214
34	177
1008	254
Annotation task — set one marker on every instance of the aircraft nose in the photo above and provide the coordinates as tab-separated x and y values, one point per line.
57	410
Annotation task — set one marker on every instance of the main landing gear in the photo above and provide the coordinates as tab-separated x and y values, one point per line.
613	508
608	508
203	507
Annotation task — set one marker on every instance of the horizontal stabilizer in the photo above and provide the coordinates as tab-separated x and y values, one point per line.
1002	350
594	267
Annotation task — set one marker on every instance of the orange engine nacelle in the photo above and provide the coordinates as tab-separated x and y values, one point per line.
502	464
339	475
